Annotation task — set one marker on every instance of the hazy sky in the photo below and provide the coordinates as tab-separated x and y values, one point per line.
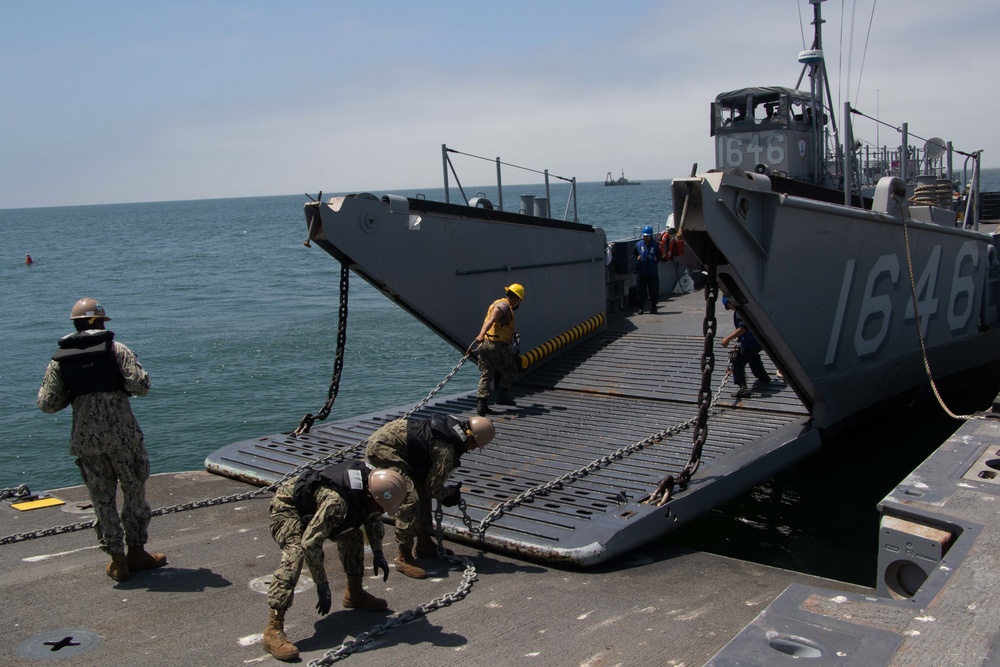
139	101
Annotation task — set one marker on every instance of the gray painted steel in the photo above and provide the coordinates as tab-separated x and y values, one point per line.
951	617
445	263
827	290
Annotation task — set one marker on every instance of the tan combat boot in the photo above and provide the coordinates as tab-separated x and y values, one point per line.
275	642
356	597
139	559
406	565
117	569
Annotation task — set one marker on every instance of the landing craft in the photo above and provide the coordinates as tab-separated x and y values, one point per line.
822	278
580	444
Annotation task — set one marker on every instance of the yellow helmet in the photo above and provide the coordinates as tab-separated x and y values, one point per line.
516	289
482	430
388	489
88	308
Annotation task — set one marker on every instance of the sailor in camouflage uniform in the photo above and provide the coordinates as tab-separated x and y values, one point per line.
96	375
424	452
497	359
332	503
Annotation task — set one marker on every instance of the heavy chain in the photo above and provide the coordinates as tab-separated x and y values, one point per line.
469	576
707	366
338	360
555	484
249	495
17	492
439	387
83	525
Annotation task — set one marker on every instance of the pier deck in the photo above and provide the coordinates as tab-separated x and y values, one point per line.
659	604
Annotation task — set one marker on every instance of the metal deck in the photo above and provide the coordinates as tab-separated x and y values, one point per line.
637	378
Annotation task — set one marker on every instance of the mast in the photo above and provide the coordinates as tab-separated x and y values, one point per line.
814	64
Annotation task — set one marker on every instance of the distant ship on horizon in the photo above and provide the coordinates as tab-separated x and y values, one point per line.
608	180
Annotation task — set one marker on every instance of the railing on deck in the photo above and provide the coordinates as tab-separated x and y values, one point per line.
447	165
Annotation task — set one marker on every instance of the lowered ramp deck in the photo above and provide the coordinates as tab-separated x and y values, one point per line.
637	378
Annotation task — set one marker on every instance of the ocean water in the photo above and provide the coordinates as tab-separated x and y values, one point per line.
235	320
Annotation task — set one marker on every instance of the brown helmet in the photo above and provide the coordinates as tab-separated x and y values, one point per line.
387	488
482	430
88	308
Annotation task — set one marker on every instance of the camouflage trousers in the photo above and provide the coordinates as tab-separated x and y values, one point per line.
495	358
102	474
414	515
286	529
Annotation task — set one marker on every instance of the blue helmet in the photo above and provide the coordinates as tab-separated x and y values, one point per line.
647	230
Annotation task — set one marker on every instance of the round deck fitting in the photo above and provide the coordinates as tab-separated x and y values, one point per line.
58	644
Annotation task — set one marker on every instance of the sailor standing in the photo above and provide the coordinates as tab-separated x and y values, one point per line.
424	452
496	349
647	254
331	503
96	375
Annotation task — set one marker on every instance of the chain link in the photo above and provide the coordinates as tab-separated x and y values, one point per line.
223	500
436	389
555	484
707	366
17	492
469	577
338	359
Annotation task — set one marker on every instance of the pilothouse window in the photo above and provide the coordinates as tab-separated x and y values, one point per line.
732	114
767	111
801	113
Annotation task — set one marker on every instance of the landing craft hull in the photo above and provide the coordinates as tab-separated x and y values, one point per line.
827	289
445	264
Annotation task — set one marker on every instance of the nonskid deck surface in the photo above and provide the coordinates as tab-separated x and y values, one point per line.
208	606
617	389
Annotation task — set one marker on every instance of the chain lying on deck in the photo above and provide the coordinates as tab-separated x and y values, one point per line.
307	420
238	497
21	491
396	620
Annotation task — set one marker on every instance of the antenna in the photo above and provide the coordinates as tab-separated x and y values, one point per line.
935	148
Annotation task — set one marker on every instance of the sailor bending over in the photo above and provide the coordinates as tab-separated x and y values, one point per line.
424	452
331	503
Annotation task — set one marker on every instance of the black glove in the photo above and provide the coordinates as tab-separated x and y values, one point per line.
325	599
378	560
452	495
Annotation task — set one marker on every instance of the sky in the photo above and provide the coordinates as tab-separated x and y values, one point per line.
106	102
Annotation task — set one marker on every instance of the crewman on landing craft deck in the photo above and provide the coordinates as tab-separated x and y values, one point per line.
330	503
748	353
496	349
647	255
96	375
424	452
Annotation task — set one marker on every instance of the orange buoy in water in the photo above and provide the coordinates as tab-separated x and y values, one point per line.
28	261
